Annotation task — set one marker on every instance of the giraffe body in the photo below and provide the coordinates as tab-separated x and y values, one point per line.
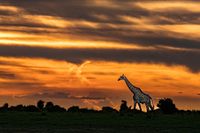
139	97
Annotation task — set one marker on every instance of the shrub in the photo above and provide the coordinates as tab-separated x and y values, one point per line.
108	109
123	107
40	104
167	106
73	109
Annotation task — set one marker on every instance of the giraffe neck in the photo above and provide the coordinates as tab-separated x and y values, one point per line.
130	86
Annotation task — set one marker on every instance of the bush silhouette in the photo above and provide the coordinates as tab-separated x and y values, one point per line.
167	106
73	109
49	107
22	108
40	105
123	107
4	107
57	108
19	107
108	109
31	108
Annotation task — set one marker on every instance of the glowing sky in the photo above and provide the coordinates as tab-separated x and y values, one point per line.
73	51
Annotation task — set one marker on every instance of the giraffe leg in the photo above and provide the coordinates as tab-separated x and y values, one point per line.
147	107
134	101
134	105
140	106
151	107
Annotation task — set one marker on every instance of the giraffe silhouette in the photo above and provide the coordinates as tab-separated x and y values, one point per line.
138	95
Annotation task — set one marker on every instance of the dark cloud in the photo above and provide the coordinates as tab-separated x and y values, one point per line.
78	10
73	10
101	73
165	56
6	13
161	79
91	78
186	98
87	10
176	16
140	37
24	23
43	95
7	75
87	97
23	84
59	95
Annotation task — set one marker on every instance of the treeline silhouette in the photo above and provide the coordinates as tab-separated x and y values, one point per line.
41	107
165	106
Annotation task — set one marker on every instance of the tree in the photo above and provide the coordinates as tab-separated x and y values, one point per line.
4	107
123	108
167	106
40	105
49	107
73	109
57	108
19	108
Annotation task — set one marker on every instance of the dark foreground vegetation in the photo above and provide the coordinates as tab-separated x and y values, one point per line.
50	118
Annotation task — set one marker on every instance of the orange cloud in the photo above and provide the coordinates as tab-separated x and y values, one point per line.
163	5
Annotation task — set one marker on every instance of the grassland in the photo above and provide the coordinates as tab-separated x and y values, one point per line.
36	122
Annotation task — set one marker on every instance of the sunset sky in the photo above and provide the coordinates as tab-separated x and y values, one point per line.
72	52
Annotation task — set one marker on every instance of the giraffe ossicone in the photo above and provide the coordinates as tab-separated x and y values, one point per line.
139	97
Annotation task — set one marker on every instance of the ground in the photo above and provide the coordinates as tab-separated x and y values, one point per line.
24	122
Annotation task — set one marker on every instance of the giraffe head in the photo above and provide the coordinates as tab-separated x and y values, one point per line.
122	77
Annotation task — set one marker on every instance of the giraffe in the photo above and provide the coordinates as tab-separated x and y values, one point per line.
139	96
